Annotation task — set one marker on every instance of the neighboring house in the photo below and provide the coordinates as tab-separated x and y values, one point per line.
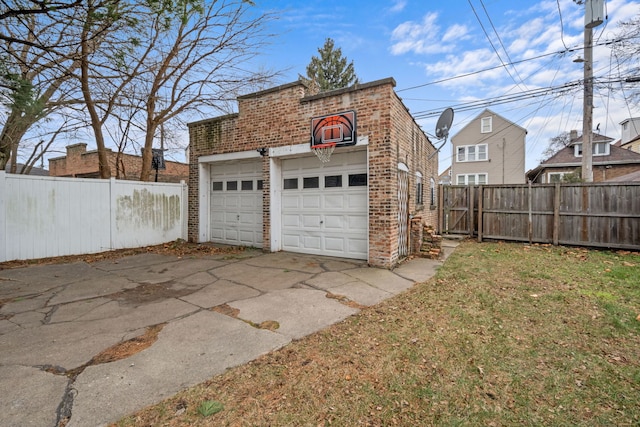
631	134
445	177
255	181
35	171
80	163
488	150
630	177
609	161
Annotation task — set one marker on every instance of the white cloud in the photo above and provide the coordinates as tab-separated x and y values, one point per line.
398	6
425	37
455	33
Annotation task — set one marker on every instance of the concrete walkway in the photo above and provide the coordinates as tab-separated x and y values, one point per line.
54	319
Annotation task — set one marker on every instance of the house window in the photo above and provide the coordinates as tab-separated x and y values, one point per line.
419	200
333	181
597	149
358	180
290	183
486	124
554	177
311	182
472	153
432	186
471	179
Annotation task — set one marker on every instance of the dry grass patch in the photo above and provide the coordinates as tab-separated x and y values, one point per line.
505	334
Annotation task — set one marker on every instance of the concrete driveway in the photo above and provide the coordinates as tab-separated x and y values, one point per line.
54	320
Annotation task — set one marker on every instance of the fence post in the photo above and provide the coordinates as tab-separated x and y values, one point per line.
556	214
480	198
530	231
112	213
185	210
440	209
470	210
3	216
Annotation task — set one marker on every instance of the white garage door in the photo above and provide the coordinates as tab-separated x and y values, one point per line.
324	205
236	203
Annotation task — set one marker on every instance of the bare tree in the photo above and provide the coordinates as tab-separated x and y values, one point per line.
28	8
198	63
556	144
36	81
627	53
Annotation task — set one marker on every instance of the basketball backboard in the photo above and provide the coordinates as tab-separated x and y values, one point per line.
339	128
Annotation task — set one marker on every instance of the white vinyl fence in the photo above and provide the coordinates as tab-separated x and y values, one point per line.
43	217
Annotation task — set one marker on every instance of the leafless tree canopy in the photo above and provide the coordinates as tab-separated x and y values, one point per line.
126	71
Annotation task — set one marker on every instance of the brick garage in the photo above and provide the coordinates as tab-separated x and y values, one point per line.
80	163
259	160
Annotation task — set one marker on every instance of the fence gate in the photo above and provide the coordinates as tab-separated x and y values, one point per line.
457	209
403	212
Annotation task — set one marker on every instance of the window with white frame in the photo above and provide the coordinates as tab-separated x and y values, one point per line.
472	153
597	149
419	198
486	124
554	177
471	179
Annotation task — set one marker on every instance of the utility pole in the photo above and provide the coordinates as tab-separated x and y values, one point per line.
593	14
587	108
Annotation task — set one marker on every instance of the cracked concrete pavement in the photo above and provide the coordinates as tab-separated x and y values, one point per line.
54	319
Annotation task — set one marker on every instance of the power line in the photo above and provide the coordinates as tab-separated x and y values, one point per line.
504	99
491	43
561	52
502	44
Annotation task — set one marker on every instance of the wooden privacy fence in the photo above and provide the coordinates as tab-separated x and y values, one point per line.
595	214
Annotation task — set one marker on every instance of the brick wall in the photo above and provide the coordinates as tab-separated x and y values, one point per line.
80	163
281	116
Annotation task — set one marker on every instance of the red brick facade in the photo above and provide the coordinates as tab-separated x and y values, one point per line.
281	117
80	163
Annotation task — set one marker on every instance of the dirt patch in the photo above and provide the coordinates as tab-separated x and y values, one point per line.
179	248
149	292
227	310
121	350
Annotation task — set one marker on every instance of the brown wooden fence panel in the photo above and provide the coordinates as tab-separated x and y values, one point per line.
455	214
598	214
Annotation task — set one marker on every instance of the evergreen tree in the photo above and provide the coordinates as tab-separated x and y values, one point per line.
330	70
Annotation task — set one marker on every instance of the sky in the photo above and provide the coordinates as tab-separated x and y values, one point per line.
452	53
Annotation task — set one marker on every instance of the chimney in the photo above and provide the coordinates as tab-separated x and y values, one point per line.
573	135
76	149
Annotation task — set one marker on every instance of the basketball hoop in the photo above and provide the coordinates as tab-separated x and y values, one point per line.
323	151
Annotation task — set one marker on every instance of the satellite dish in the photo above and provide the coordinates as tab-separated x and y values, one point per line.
442	128
444	123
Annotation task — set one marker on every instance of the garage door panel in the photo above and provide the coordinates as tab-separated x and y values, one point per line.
357	222
334	244
355	201
334	201
329	216
311	201
335	222
248	201
236	203
290	201
311	221
312	242
357	245
291	240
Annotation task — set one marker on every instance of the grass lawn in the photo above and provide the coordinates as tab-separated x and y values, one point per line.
505	334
